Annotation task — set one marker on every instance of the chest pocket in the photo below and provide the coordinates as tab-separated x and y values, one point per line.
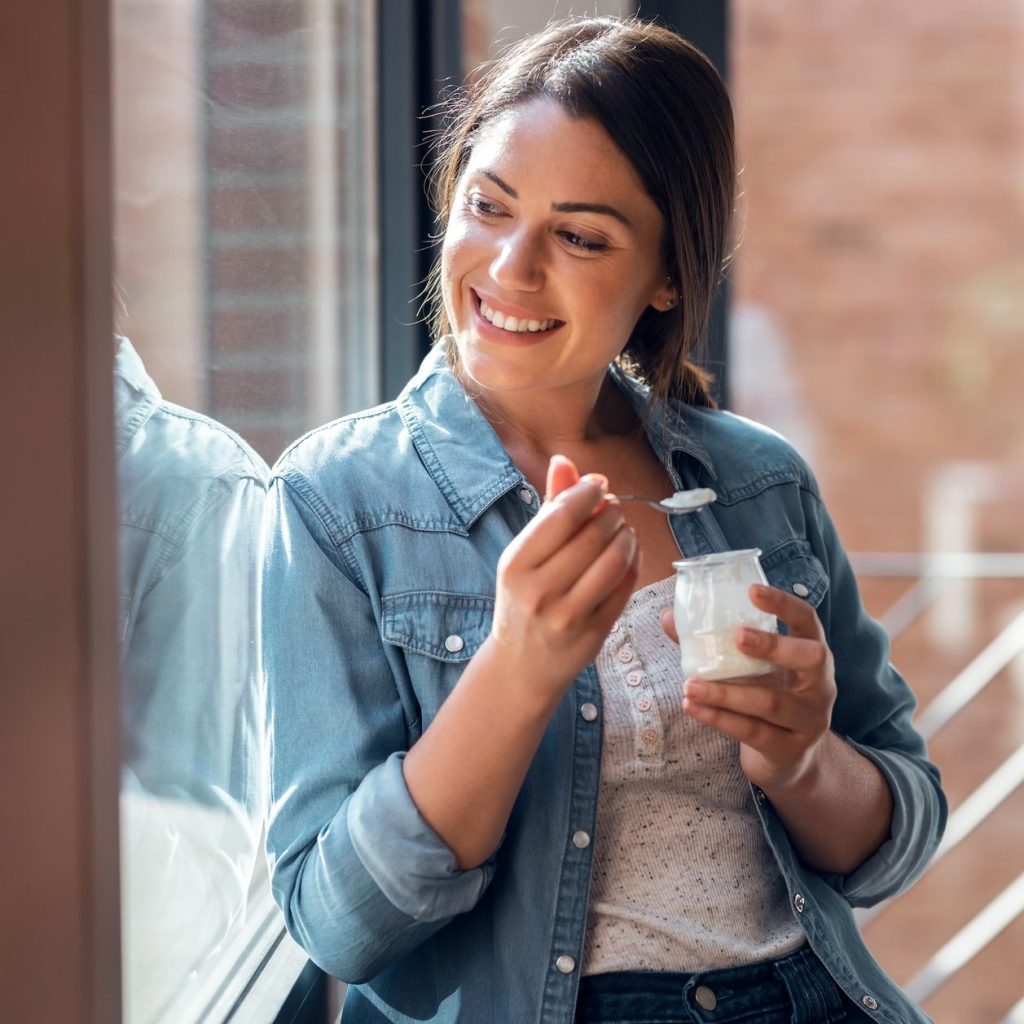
447	627
795	568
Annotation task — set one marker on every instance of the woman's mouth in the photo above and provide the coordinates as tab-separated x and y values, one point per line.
513	327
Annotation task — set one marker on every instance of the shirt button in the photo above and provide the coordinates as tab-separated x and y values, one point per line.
581	839
635	678
616	626
799	902
565	964
649	736
454	643
644	704
526	496
870	1003
800	590
588	712
706	999
625	654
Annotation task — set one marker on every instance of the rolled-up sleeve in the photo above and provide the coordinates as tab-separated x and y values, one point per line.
873	712
918	820
360	876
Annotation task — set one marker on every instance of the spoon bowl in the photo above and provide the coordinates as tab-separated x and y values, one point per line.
677	504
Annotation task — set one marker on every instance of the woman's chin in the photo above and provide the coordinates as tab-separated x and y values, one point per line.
487	371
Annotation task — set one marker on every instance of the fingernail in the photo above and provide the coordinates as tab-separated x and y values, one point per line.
596	478
747	637
694	688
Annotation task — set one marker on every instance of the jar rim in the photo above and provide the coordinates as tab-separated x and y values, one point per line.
715	558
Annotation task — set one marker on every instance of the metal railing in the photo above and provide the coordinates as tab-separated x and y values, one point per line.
931	575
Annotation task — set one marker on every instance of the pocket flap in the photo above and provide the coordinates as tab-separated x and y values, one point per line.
448	627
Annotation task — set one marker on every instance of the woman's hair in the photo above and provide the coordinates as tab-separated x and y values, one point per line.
665	106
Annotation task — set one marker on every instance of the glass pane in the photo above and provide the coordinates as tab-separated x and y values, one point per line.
879	303
246	284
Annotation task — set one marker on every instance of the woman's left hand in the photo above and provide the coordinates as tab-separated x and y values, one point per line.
781	719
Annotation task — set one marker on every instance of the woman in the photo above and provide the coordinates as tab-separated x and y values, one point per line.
493	796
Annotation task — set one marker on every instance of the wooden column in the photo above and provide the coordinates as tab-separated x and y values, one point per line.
59	708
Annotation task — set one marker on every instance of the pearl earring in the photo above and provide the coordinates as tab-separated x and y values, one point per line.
669	303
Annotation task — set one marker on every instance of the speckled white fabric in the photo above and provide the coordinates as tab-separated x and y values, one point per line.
683	879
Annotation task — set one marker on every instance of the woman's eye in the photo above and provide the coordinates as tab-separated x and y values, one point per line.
579	242
480	205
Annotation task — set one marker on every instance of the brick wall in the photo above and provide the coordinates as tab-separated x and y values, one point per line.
883	160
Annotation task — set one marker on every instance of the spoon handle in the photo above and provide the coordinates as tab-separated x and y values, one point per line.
669	510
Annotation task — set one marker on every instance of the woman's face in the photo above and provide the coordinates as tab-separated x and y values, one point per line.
551	229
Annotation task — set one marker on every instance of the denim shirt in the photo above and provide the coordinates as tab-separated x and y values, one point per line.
383	536
190	504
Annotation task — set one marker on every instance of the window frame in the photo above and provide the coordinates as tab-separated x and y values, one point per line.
59	642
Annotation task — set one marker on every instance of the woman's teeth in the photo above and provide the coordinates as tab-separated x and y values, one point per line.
511	323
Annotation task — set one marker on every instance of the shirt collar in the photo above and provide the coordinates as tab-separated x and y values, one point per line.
466	458
136	396
665	423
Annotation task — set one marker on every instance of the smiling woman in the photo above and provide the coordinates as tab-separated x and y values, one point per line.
494	796
659	179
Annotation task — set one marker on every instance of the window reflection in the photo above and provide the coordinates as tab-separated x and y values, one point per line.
190	499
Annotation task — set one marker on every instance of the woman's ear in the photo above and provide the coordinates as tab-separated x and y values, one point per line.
666	297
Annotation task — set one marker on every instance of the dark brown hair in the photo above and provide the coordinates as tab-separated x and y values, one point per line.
665	106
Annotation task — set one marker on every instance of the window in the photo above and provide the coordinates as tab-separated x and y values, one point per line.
246	267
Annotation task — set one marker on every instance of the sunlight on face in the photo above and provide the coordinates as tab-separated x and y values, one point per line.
551	253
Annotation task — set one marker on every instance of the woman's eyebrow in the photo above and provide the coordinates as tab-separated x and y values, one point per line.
611	211
604	208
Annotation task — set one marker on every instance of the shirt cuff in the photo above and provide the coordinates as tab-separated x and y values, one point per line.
410	863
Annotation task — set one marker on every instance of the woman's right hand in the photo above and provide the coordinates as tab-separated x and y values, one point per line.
562	583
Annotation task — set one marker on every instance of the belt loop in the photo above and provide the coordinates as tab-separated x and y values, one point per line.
687	998
813	993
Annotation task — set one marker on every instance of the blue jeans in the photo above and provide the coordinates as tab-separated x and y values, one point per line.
794	990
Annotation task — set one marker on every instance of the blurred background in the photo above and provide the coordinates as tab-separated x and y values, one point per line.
271	233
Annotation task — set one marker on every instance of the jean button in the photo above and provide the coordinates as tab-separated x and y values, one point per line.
588	712
706	999
565	964
799	902
454	643
870	1003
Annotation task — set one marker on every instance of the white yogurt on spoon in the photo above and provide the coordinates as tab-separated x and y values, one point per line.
682	501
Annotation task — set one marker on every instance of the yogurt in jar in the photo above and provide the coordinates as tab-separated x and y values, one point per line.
711	602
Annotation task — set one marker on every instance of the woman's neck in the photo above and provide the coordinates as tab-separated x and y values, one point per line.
586	429
549	422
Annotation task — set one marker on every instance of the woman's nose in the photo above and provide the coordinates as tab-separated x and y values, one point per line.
518	264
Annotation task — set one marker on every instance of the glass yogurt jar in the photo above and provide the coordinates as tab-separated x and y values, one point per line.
711	601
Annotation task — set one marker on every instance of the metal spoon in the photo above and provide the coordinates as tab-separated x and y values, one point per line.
677	504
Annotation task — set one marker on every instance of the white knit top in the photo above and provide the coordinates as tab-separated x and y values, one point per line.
683	877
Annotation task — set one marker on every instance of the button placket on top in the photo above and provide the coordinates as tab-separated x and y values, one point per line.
643	704
567	939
